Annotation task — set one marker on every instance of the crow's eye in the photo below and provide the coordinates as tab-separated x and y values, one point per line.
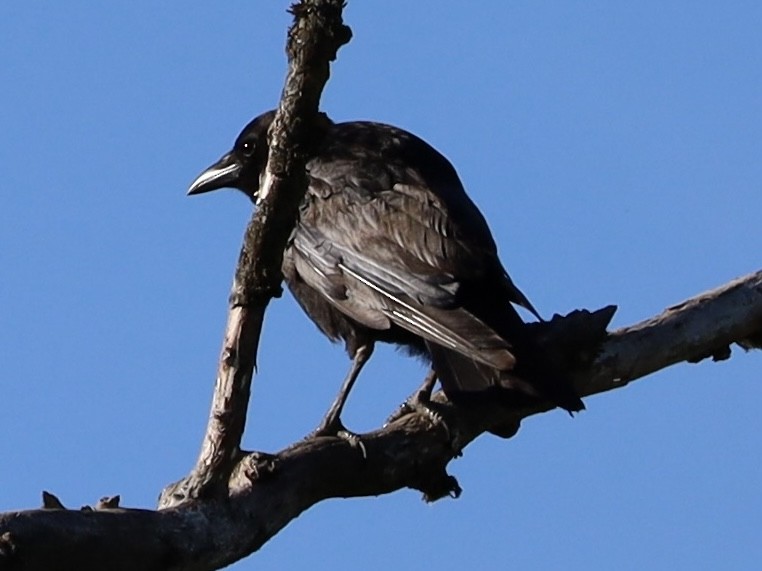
247	148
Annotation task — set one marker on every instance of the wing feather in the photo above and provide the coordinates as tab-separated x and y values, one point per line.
388	257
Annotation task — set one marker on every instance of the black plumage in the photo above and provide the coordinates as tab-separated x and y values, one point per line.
388	247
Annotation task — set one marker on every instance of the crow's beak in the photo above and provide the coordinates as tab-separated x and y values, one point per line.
224	173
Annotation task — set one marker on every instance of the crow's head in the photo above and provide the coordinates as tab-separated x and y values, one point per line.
241	167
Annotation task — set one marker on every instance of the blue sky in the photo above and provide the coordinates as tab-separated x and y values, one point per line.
614	148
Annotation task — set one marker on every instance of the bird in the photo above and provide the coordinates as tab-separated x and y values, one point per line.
388	247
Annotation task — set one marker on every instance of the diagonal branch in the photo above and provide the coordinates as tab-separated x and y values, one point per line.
313	41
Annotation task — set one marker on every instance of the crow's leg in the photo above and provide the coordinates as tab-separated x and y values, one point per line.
420	402
422	397
331	424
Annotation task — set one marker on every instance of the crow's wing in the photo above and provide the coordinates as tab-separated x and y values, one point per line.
386	248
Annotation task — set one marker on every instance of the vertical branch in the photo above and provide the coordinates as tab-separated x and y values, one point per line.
314	38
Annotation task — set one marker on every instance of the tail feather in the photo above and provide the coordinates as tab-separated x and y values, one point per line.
464	379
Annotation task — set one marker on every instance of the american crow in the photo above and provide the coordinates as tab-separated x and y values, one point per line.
388	247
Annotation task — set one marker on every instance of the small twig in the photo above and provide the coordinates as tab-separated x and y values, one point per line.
51	502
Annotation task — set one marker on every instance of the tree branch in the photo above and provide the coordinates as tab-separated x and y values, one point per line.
267	491
313	41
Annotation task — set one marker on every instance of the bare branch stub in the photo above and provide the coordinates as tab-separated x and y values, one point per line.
314	38
51	502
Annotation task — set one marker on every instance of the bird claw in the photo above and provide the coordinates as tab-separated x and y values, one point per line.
354	440
435	418
403	410
421	404
336	429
